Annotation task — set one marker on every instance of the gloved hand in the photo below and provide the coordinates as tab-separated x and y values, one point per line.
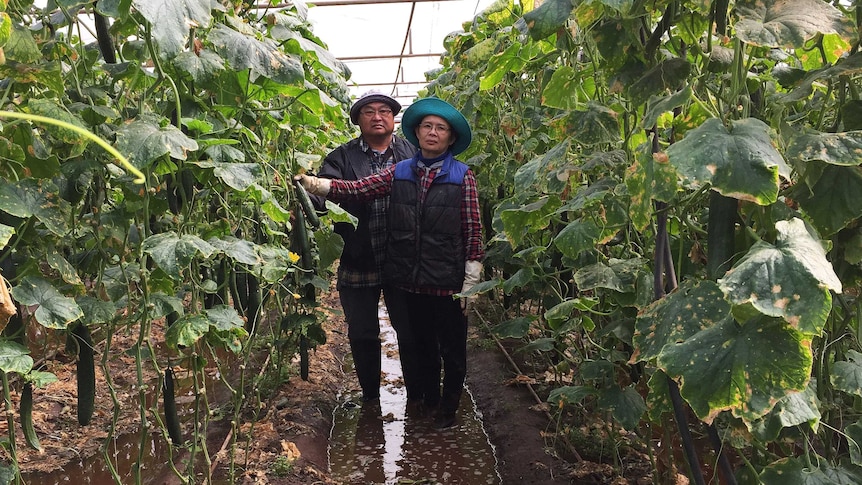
472	274
314	185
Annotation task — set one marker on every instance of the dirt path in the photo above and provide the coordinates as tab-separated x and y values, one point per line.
517	427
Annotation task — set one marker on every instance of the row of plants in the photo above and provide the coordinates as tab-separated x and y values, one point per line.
670	191
147	149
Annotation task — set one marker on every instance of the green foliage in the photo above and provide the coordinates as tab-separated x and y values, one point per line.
219	106
600	131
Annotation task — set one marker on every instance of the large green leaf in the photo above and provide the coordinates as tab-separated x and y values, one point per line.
143	141
174	253
657	105
14	357
562	90
63	268
262	57
846	375
791	279
739	162
6	233
531	217
742	368
239	250
562	312
201	66
96	311
795	409
27	198
224	318
520	279
55	309
833	148
561	396
578	235
536	170
515	328
626	405
172	19
501	64
49	109
788	23
670	74
832	202
269	204
854	442
693	307
546	19
803	471
186	331
597	124
617	274
650	178
162	305
238	176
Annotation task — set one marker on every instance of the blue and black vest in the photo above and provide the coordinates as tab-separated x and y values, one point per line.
426	245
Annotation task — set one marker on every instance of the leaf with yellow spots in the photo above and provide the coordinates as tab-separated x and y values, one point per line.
794	409
738	161
791	279
683	313
834	148
745	369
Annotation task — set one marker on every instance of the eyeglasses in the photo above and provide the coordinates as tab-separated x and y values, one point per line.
383	112
428	127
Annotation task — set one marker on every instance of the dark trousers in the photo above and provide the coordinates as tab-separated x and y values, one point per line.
441	336
361	312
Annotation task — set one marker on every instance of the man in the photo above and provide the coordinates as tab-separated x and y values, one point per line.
434	250
360	280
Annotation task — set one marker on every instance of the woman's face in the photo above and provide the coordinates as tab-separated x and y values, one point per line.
435	136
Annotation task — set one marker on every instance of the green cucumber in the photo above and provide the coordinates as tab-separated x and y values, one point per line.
306	205
86	374
303	357
26	413
172	420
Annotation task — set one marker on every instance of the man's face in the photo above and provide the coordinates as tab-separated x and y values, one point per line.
376	119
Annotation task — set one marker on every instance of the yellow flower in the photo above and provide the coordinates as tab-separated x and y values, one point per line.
292	256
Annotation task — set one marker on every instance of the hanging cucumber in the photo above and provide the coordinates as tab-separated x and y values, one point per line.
86	374
306	205
303	357
172	420
26	413
301	241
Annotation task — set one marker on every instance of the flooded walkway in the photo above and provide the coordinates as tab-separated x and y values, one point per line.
378	443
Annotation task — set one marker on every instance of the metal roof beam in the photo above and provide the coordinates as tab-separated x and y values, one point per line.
388	56
341	3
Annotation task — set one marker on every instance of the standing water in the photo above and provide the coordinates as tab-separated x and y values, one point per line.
379	443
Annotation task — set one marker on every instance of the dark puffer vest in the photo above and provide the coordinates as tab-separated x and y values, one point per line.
426	245
349	162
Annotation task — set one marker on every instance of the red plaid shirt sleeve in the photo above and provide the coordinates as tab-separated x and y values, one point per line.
365	189
471	223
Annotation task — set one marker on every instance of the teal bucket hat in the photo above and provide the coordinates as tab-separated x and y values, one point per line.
414	114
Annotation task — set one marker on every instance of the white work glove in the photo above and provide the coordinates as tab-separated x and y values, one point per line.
314	185
472	274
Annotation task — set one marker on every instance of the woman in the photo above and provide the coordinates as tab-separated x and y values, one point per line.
434	249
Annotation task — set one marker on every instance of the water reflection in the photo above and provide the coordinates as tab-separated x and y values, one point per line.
379	443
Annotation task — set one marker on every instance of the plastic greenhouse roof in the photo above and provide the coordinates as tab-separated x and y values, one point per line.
388	45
